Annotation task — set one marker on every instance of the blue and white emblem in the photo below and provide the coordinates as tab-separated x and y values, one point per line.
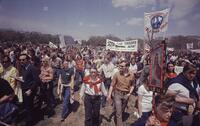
156	22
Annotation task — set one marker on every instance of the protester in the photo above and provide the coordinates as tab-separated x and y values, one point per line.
66	87
1	58
122	85
29	84
92	88
163	111
145	97
46	77
8	110
80	64
106	70
9	74
56	63
186	89
133	65
169	73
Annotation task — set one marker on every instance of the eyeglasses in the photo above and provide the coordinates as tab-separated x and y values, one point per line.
121	66
22	59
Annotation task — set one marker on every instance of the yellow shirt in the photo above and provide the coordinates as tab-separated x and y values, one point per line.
1	69
8	75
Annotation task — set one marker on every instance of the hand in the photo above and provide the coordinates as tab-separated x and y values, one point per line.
28	93
109	98
81	101
128	95
152	121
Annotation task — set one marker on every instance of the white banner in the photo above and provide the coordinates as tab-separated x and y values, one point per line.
51	45
126	46
156	21
189	46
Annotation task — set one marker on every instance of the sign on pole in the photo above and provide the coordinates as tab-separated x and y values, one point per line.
155	22
157	57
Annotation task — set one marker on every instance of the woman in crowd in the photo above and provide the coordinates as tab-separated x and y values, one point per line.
92	88
46	77
144	102
170	73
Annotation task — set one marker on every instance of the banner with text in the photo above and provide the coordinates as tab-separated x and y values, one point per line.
125	46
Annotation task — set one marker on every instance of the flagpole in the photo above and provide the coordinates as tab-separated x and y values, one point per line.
164	35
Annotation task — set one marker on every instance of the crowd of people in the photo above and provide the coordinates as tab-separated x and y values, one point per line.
100	76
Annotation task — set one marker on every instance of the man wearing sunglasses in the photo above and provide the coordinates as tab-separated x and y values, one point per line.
30	81
122	85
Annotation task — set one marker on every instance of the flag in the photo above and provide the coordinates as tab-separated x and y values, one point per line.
156	21
51	45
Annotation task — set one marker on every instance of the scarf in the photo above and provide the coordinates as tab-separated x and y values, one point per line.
92	84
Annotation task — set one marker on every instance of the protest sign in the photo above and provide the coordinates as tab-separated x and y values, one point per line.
126	46
157	57
51	45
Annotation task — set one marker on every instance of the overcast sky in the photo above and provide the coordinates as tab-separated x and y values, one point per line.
84	18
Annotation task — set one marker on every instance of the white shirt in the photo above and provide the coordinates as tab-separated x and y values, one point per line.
107	69
181	91
147	97
133	68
